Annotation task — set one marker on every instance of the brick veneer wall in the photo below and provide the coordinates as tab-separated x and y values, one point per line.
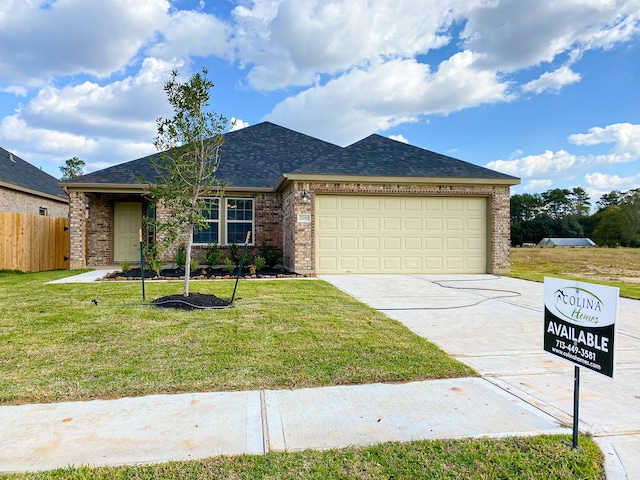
299	238
99	227
22	202
77	231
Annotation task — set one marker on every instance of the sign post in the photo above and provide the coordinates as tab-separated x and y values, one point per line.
579	326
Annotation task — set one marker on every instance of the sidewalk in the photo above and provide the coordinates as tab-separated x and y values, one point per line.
160	428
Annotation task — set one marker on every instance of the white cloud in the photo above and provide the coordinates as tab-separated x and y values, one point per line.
517	34
537	185
556	164
387	94
399	138
553	81
237	124
625	136
110	123
598	183
40	39
540	171
292	42
186	33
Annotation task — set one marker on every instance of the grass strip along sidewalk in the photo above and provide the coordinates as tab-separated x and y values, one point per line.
529	458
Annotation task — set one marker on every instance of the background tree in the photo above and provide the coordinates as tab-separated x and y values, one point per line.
580	202
72	168
186	170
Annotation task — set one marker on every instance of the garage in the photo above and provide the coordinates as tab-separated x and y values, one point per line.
400	234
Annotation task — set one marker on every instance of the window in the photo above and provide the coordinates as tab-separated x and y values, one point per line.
239	219
43	211
229	226
211	233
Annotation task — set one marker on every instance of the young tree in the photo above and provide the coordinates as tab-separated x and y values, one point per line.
72	168
186	170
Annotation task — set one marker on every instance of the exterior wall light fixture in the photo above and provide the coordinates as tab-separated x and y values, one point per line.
304	196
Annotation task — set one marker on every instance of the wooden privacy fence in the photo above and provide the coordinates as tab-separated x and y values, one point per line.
33	243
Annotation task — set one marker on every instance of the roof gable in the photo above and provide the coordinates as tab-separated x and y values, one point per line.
255	156
24	176
384	157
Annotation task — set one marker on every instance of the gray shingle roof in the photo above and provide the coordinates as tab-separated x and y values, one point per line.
16	171
384	157
258	156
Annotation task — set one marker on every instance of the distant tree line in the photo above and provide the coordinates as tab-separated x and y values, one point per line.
567	213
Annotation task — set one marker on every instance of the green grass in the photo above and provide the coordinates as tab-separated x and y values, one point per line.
522	458
617	267
56	344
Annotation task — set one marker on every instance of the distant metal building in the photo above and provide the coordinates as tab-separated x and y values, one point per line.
566	242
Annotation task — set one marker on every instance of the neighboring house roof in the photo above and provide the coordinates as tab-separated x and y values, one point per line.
262	155
17	174
566	242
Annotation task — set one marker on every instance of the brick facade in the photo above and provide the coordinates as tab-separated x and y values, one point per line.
276	221
21	202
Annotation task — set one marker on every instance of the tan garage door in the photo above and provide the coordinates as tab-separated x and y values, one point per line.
392	234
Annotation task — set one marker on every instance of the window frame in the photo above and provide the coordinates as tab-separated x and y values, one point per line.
251	222
224	222
210	221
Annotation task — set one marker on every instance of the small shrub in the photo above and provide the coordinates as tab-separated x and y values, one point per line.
234	253
213	256
271	255
125	265
194	264
259	262
180	257
229	265
152	255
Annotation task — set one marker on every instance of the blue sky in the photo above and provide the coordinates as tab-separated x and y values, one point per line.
546	91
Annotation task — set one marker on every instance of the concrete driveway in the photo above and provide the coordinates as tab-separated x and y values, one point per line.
495	325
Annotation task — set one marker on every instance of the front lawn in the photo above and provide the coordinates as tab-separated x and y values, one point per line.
85	341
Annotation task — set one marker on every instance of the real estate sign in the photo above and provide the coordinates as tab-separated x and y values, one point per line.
580	323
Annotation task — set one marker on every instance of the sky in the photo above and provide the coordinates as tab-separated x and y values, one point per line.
547	91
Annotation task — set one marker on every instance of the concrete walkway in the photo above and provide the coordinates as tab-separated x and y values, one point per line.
501	337
498	331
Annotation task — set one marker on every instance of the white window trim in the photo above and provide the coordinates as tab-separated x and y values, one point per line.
223	221
218	221
251	222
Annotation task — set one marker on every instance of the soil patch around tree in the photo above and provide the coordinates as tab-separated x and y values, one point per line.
191	302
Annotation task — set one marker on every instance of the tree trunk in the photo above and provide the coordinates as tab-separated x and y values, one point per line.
187	265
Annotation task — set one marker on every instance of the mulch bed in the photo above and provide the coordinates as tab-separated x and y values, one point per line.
199	274
191	302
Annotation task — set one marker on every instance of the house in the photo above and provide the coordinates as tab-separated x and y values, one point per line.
377	206
27	189
566	242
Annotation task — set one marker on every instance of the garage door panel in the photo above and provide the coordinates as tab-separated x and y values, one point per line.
349	243
371	264
371	243
398	234
392	264
392	243
391	224
370	223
